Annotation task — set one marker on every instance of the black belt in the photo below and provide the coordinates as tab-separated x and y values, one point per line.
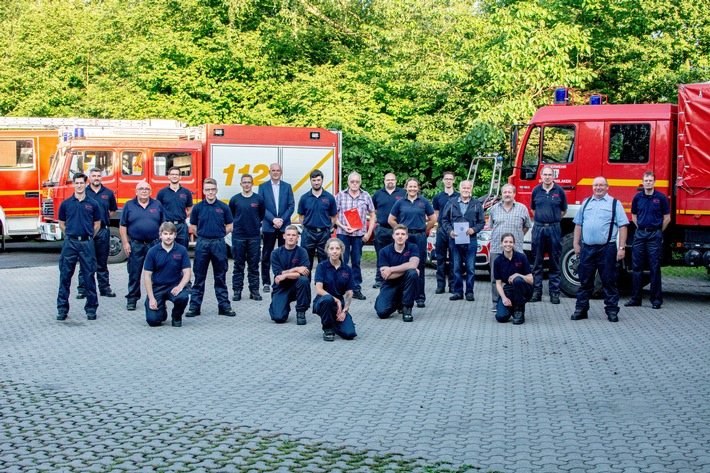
104	226
80	237
416	232
143	242
649	229
318	229
547	224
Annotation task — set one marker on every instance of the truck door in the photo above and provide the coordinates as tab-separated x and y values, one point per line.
629	154
184	160
133	169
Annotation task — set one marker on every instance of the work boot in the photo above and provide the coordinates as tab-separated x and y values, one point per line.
359	295
579	314
536	297
255	296
300	318
407	314
612	316
328	335
237	296
266	288
192	312
228	311
555	298
518	316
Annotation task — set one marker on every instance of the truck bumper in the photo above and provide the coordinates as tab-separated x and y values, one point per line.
50	231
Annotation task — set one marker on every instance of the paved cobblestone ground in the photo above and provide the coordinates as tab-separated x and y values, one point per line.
452	391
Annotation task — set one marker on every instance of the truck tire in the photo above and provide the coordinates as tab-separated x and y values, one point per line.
116	253
569	262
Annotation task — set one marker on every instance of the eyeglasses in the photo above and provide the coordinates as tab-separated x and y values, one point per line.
211	189
142	188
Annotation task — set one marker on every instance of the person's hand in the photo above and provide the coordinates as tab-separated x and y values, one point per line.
277	222
620	253
152	303
469	232
127	248
577	249
386	272
507	302
176	290
302	270
341	315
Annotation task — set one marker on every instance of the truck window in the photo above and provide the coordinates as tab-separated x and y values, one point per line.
84	160
558	144
629	143
165	160
17	154
132	163
531	157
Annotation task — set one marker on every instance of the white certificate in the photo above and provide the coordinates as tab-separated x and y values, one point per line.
460	229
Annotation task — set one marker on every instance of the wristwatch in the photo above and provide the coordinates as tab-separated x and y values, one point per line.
622	247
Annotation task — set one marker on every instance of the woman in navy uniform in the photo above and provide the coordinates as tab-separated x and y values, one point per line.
514	281
334	293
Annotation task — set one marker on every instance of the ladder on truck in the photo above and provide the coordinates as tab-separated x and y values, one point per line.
103	127
493	194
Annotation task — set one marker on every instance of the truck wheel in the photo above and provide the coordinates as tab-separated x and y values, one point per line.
116	253
569	263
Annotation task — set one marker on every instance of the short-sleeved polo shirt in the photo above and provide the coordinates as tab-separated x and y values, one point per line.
142	223
317	211
412	214
106	200
383	202
503	267
282	259
548	205
211	219
166	265
389	256
441	199
248	212
79	215
175	203
335	281
650	209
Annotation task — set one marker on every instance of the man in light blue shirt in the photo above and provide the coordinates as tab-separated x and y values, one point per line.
599	222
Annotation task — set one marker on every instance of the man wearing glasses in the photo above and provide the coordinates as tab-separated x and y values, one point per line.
177	203
210	220
139	228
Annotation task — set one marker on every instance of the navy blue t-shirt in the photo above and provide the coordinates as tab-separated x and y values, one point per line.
79	215
317	211
383	202
412	214
175	203
441	199
142	223
166	266
248	212
107	200
336	282
548	205
504	268
211	218
650	209
283	258
388	256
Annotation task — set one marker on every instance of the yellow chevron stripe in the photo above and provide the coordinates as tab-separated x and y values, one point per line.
22	209
19	192
588	181
307	176
694	212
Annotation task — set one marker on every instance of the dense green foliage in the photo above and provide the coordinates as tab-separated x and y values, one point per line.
417	86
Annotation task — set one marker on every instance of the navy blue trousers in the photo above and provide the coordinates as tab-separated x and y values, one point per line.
519	294
74	251
647	248
269	243
396	294
162	295
383	237
326	307
314	242
353	250
183	235
287	291
546	240
245	252
102	244
464	255
600	258
210	250
444	259
419	239
135	267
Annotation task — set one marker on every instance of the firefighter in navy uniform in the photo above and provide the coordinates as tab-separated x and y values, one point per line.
177	204
79	220
102	241
211	220
651	213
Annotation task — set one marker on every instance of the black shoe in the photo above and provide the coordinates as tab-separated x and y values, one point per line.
554	298
256	296
237	296
656	306
469	296
377	285
131	305
328	335
580	314
61	316
536	297
612	317
81	295
518	317
108	293
400	311
451	289
359	295
177	323
228	312
192	312
632	303
300	318
407	314
266	288
421	304
91	316
456	297
440	290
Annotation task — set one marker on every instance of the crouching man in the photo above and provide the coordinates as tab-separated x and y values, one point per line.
514	282
334	293
399	264
290	264
166	272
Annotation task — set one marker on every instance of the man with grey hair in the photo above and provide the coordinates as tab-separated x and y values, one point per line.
507	216
354	204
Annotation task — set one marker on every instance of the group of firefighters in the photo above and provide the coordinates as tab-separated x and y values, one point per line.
154	234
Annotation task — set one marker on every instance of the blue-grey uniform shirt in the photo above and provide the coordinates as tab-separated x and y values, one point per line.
597	218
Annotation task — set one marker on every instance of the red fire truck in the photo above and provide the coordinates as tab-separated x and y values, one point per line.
621	142
222	152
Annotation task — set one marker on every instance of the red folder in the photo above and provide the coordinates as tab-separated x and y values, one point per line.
352	216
